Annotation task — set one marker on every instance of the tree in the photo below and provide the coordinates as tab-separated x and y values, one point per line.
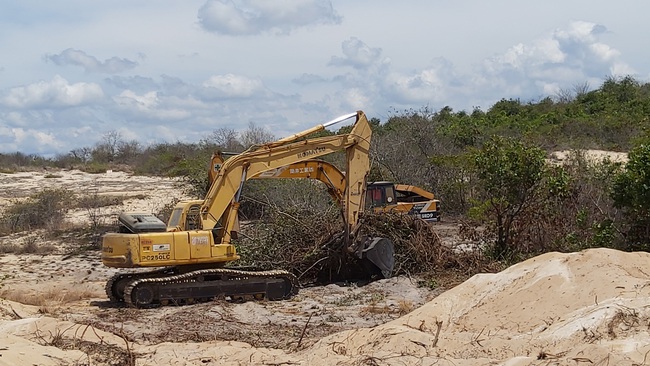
226	139
127	151
255	135
509	173
409	134
106	150
82	154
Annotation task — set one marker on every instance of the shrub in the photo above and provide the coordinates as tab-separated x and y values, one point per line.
94	168
510	174
631	192
44	210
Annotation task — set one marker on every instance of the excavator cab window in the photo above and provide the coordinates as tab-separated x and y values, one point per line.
192	221
389	192
175	218
380	194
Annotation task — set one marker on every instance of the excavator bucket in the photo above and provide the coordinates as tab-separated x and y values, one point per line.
381	253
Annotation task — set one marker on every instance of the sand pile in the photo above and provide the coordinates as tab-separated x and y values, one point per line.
28	338
567	309
586	307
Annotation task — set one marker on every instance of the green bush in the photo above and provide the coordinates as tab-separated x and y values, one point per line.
509	173
631	192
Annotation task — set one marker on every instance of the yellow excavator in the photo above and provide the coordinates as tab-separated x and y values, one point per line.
192	250
380	196
412	200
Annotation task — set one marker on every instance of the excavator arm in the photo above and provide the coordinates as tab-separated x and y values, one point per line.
221	204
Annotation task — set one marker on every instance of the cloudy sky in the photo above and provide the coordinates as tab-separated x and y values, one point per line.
175	70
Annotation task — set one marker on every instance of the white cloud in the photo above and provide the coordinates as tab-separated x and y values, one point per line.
136	82
248	17
45	139
562	58
541	67
149	106
355	99
357	54
16	119
234	86
581	31
74	57
434	84
52	94
621	68
39	141
143	102
604	52
383	56
82	131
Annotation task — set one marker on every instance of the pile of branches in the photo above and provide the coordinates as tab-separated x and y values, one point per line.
418	247
290	239
311	246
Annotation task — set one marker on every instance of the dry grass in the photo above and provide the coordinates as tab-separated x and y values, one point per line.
626	320
98	353
405	306
43	210
9	248
48	297
376	310
96	200
32	244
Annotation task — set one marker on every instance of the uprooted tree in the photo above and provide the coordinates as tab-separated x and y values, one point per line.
310	244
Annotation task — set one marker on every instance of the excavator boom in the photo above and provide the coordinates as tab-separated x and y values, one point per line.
236	170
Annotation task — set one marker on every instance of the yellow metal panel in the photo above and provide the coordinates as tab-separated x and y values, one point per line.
200	244
155	248
226	252
120	250
181	246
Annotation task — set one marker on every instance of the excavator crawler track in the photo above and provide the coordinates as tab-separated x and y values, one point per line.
159	288
116	284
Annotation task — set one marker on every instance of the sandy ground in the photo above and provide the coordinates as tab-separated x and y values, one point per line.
582	308
65	288
138	193
559	157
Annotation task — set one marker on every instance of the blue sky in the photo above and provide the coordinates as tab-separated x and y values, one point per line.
72	70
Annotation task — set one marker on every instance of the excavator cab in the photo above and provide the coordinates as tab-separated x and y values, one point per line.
380	194
185	216
412	200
